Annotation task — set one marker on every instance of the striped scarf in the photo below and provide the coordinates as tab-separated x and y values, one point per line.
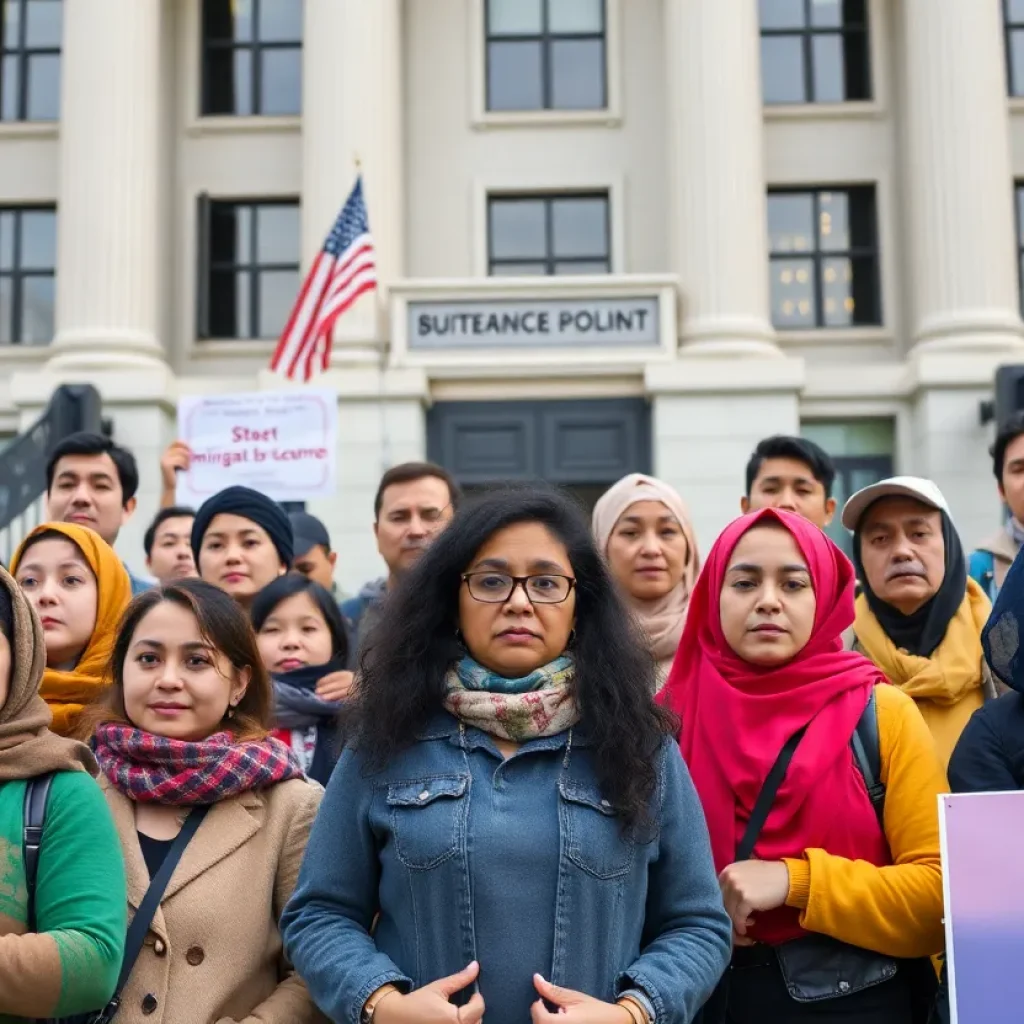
157	770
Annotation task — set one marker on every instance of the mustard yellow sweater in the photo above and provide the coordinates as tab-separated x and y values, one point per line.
894	910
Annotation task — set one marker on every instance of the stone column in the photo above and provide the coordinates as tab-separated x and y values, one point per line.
716	181
109	225
352	109
958	185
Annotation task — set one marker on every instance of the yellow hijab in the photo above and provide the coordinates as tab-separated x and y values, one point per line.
947	686
67	692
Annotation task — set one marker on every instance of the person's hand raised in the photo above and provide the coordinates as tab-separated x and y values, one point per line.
574	1007
177	457
430	1004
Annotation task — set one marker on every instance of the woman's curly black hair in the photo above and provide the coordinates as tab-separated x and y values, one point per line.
401	682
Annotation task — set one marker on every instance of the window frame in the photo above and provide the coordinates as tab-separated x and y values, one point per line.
807	34
23	53
207	266
17	273
549	198
1010	28
256	48
545	39
818	256
1018	199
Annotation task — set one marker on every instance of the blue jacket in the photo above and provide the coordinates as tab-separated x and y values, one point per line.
519	864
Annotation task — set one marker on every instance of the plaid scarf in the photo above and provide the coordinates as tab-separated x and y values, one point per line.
157	770
540	704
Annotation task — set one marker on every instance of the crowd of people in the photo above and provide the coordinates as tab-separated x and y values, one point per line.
546	767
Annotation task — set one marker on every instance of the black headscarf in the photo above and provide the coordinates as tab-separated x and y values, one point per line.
921	632
249	504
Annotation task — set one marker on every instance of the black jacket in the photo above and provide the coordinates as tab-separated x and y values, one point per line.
989	757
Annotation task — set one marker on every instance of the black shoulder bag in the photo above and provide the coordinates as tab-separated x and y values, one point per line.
815	967
36	794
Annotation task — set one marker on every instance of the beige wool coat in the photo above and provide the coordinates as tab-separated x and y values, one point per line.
213	954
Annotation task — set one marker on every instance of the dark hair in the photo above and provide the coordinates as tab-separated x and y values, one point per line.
799	449
401	682
1008	433
408	472
173	512
223	625
290	585
84	443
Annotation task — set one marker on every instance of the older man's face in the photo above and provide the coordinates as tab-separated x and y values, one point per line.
902	551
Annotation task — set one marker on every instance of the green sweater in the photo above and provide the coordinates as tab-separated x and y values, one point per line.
71	965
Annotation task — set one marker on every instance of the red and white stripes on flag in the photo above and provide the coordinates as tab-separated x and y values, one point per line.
344	269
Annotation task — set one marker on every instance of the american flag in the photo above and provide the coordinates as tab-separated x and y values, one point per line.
344	268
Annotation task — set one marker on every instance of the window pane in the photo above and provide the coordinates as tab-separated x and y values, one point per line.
281	85
577	74
10	30
9	88
43	87
1015	10
515	17
827	13
518	269
228	82
230	233
277	234
791	222
782	69
792	293
1017	63
227	20
280	21
6	240
6	310
833	221
278	291
867	307
581	267
36	310
575	16
782	13
517	229
514	76
829	69
837	291
229	304
38	240
579	227
44	23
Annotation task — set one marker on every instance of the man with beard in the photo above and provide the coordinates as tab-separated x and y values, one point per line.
415	501
919	617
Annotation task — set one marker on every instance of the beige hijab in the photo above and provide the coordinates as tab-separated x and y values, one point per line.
663	619
27	747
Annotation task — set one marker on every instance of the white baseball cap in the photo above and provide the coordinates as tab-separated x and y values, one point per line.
916	487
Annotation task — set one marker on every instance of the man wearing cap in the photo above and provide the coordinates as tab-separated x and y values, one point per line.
919	617
313	555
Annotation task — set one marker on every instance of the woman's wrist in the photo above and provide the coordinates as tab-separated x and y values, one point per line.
635	1010
374	1001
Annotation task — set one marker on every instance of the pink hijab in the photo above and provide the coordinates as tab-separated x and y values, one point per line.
662	620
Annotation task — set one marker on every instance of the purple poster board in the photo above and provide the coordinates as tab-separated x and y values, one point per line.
983	874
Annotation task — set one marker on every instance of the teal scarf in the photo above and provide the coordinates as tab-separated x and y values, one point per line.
539	704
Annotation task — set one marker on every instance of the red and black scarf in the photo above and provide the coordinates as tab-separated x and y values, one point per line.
157	770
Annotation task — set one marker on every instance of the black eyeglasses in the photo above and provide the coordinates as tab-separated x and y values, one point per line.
498	587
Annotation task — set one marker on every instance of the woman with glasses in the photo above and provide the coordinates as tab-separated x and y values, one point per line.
511	829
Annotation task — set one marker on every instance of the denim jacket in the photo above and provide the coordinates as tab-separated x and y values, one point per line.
641	915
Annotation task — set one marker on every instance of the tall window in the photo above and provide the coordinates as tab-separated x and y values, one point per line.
252	57
546	55
30	37
28	257
249	267
823	248
814	51
1013	18
549	234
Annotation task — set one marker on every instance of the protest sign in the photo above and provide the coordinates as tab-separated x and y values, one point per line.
983	874
279	443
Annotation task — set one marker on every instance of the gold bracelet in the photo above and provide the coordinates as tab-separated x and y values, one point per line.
629	1001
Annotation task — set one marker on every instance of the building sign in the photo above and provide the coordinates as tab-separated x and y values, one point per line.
543	323
282	444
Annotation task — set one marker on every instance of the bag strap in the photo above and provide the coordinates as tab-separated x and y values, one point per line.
37	794
867	752
147	909
765	799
